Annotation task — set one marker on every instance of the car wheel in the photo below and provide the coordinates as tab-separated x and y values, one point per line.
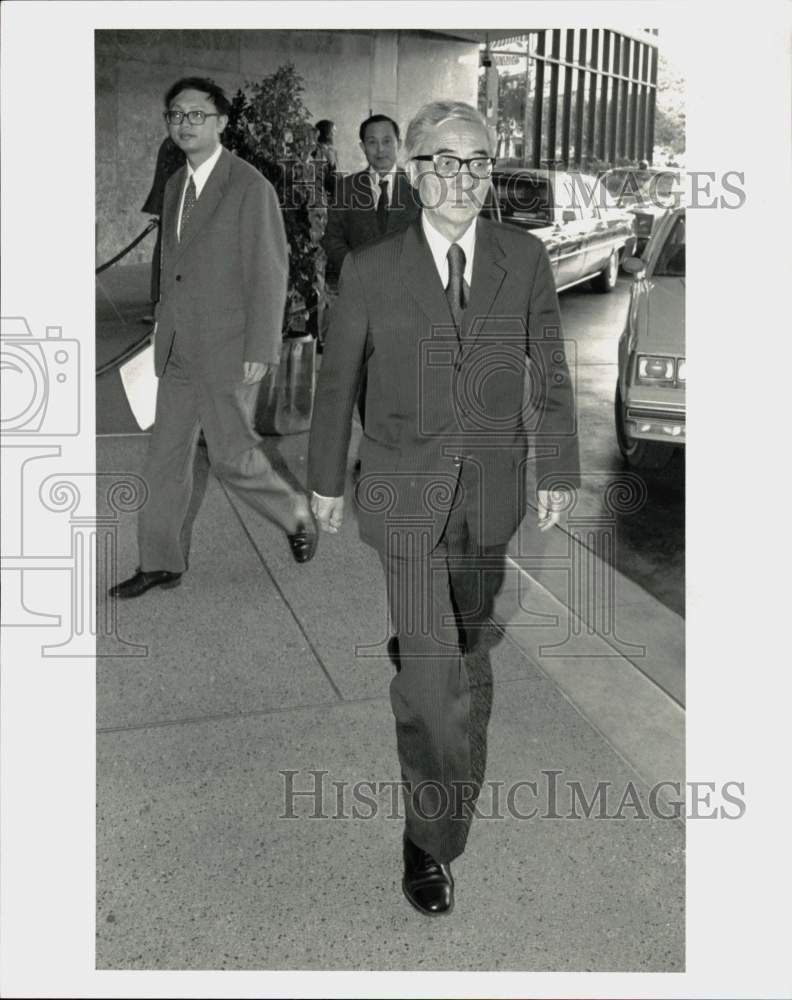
606	279
639	454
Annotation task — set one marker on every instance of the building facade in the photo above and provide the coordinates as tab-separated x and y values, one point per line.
347	75
581	98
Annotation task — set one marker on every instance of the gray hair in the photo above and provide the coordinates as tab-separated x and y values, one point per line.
436	113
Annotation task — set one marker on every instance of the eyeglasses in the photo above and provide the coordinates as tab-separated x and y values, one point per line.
193	117
446	165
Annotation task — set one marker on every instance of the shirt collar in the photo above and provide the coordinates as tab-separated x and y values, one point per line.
439	246
375	177
201	174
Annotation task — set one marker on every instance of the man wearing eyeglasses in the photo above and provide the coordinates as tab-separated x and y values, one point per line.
219	327
443	315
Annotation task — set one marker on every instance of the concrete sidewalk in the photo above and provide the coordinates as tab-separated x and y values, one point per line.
256	666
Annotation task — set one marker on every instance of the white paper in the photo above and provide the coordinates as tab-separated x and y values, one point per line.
140	385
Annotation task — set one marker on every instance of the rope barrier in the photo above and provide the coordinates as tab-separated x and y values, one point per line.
125	355
114	260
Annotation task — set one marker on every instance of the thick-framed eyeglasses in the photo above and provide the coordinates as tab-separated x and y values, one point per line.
446	165
193	117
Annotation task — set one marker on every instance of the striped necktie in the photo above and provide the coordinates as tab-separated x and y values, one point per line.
457	288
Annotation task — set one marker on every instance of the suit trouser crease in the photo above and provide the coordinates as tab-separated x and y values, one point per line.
225	413
436	600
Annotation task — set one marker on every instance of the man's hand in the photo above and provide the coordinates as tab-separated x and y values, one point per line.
329	512
550	505
254	371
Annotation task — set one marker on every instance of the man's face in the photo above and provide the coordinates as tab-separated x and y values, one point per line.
455	200
380	146
197	141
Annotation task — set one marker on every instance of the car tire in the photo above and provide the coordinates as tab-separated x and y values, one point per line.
647	455
605	281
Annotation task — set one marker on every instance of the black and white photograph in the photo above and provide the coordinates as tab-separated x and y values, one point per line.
381	615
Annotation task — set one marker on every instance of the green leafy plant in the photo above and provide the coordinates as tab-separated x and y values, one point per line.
270	127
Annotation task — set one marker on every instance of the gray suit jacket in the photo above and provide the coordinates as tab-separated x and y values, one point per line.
223	288
434	398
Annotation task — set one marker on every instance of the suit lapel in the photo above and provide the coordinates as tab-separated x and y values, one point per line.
170	214
488	276
419	274
208	201
401	197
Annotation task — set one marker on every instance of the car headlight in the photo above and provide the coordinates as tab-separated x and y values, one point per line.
681	370
657	370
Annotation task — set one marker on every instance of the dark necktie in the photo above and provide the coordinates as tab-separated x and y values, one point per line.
457	288
190	199
382	206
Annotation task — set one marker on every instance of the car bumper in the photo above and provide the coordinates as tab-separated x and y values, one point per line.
657	415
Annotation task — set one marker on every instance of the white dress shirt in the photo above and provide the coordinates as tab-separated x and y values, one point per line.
439	246
200	176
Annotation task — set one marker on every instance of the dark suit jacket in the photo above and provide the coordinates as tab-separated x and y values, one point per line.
433	398
224	286
169	159
352	219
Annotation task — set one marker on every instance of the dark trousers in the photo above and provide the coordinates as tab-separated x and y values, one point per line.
156	262
439	603
225	413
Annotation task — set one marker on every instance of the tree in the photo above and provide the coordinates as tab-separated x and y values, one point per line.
670	108
270	127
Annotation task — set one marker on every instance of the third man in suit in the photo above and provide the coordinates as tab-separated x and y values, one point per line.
373	201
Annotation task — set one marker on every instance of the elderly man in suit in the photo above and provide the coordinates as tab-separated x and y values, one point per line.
371	202
450	315
219	327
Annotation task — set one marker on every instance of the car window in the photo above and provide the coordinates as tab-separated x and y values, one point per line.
522	197
671	259
603	197
587	195
629	187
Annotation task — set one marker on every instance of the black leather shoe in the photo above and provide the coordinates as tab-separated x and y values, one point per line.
427	884
304	540
141	582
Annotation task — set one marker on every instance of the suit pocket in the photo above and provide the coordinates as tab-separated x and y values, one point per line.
376	455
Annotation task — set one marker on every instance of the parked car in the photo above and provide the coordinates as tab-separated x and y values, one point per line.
647	193
585	232
650	391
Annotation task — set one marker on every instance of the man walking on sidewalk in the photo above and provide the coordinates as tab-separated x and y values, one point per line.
219	327
443	314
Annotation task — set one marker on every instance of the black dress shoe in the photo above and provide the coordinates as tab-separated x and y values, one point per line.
304	540
141	582
427	883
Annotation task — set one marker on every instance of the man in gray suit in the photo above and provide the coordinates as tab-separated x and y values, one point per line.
219	326
444	315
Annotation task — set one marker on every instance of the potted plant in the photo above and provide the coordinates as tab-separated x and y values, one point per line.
270	127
